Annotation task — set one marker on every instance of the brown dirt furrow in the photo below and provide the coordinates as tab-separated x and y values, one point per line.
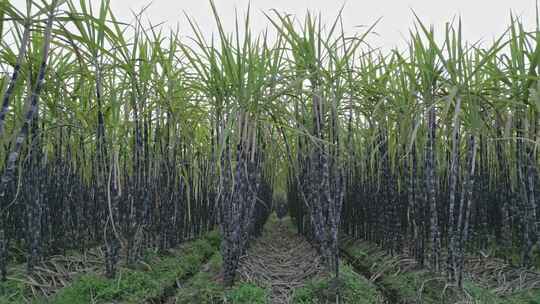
280	260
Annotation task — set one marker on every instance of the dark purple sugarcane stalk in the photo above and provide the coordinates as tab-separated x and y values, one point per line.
532	174
529	211
112	234
254	182
454	173
35	205
227	203
464	217
503	195
410	172
528	182
431	188
11	163
419	210
338	194
13	79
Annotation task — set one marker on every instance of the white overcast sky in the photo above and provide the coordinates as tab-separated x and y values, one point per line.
481	19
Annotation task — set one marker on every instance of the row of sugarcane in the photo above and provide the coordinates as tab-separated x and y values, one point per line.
112	143
430	152
455	169
99	159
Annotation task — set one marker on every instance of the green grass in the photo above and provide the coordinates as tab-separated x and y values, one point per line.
415	286
12	292
482	295
525	297
150	279
246	293
204	288
146	280
354	289
130	286
407	285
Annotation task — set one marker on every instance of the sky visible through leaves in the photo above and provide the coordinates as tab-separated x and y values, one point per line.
483	20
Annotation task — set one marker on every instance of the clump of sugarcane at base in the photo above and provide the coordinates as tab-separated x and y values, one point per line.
241	179
316	174
236	77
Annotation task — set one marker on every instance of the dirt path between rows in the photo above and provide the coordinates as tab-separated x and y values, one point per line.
280	260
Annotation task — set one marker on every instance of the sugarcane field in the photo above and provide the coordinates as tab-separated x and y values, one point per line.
253	152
